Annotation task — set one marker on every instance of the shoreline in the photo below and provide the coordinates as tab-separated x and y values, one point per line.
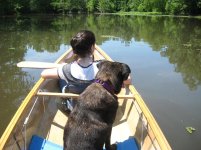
158	14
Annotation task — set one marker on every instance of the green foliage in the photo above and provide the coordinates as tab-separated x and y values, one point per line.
174	7
17	8
61	5
106	6
158	5
91	5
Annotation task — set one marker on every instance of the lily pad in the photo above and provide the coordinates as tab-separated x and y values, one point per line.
190	129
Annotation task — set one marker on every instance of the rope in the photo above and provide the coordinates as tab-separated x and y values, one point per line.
26	121
44	104
141	143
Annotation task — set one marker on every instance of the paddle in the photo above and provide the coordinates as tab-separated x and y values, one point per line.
37	65
45	65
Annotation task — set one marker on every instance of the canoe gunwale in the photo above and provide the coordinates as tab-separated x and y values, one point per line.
162	141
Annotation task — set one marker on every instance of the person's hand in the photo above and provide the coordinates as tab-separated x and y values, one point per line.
128	81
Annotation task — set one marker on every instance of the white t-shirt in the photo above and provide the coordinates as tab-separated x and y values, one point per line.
80	72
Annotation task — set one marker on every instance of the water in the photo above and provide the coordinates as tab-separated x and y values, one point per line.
164	54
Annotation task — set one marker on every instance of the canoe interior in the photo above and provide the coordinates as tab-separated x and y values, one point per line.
47	120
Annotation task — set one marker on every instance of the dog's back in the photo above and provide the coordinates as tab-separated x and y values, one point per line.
91	120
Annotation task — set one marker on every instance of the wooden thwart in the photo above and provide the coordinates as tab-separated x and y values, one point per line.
75	95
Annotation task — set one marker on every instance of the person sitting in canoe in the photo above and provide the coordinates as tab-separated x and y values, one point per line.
80	73
77	75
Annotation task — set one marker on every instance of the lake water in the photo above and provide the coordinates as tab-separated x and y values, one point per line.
164	54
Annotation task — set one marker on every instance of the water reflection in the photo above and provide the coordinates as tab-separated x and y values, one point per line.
176	38
14	83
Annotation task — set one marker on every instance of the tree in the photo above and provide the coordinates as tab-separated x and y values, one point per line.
91	5
175	7
158	5
78	5
134	4
193	7
106	6
61	5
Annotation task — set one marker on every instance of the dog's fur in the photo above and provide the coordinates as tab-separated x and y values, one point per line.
90	123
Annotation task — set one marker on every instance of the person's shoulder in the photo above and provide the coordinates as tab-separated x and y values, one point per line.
67	66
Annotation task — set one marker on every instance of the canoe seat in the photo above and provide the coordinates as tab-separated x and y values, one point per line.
129	144
39	143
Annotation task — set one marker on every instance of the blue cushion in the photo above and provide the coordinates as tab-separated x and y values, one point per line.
38	143
129	144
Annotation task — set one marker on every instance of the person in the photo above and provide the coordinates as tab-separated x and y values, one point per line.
76	76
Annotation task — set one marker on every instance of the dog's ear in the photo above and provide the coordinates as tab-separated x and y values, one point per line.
100	63
125	71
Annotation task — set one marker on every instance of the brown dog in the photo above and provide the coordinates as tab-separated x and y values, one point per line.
90	123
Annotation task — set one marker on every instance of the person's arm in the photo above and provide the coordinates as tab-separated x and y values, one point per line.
50	73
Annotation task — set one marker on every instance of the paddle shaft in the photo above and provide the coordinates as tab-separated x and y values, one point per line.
37	65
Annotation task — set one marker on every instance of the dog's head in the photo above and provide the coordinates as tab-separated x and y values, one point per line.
113	72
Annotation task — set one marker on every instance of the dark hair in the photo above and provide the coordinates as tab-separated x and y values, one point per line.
82	42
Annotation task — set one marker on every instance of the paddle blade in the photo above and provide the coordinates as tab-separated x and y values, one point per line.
37	65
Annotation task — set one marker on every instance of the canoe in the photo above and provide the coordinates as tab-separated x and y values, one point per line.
39	121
